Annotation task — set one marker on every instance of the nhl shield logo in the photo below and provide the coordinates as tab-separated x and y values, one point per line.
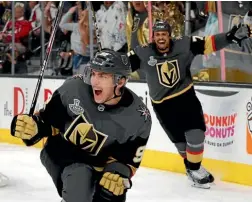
152	61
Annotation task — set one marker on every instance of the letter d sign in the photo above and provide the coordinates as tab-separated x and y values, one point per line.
19	100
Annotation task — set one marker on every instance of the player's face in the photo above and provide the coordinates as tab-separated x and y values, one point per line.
162	40
103	86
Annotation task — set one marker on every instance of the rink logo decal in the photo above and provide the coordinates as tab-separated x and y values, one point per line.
220	130
249	127
76	108
85	136
144	112
168	73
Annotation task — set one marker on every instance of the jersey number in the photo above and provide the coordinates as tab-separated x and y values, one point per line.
139	154
196	38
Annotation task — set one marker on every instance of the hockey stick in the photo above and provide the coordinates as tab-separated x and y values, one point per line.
90	7
47	55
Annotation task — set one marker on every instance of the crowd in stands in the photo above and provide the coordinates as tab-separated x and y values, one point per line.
121	25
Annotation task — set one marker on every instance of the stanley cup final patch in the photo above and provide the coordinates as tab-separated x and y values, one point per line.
152	61
76	108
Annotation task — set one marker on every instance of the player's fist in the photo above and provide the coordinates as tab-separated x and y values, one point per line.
113	183
24	127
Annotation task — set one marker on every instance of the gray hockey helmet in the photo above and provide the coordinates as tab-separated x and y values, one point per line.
111	62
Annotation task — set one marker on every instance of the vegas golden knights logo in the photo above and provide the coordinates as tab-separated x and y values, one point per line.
168	73
83	135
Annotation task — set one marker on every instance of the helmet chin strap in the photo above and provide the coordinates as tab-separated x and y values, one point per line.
114	96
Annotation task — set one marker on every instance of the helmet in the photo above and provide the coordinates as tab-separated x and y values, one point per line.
112	62
109	61
161	26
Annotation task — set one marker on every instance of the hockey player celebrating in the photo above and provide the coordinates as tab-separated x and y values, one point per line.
96	130
167	67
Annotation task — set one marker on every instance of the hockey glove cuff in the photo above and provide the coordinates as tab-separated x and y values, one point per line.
239	33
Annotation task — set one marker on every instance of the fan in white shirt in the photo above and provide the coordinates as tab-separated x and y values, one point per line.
111	22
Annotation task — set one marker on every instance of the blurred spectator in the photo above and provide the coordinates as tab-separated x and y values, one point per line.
246	45
79	49
5	11
22	29
50	13
111	22
171	12
36	13
137	30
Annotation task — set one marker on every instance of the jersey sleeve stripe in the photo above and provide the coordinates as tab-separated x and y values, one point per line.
209	45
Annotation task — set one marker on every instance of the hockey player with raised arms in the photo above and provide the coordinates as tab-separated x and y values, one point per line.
166	63
96	130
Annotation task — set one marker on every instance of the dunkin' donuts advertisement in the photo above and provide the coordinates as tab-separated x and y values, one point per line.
220	129
221	114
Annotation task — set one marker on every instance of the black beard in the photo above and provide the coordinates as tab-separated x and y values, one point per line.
162	49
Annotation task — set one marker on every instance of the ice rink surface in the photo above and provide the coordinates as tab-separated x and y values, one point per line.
29	182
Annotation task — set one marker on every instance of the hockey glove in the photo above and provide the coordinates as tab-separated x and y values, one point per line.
24	127
239	33
113	183
30	129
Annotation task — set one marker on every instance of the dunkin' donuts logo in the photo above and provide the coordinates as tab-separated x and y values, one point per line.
249	128
220	130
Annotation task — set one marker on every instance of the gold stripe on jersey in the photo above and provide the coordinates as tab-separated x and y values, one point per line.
209	45
98	169
111	160
133	169
55	131
173	95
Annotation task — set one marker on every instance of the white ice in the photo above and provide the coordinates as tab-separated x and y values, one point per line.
29	182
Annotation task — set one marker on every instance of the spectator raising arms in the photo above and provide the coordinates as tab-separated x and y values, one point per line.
36	13
79	37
